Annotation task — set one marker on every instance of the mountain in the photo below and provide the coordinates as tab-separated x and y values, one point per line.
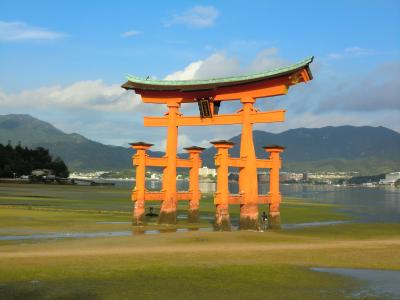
365	149
345	148
78	152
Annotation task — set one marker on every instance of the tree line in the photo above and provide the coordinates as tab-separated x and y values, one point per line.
17	161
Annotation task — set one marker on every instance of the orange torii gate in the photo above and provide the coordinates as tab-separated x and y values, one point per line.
223	198
140	195
209	94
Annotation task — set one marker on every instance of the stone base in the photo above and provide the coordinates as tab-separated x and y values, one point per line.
223	225
247	223
138	215
249	216
139	221
167	217
222	218
274	221
193	216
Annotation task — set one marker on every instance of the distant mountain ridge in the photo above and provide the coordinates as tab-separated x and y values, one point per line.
365	149
78	152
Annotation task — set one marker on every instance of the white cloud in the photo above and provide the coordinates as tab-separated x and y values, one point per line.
220	64
19	31
91	95
377	90
130	33
198	17
350	52
267	59
187	73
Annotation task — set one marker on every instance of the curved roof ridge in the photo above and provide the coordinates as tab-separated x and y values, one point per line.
267	73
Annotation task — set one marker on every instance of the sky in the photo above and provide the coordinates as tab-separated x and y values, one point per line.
64	61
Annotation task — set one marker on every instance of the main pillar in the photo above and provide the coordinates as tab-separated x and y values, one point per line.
169	204
274	191
248	187
221	199
194	156
138	195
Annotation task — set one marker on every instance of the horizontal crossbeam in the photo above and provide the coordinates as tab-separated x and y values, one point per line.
159	196
226	119
263	163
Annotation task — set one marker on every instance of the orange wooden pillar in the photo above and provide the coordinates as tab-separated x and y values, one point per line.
221	199
194	157
274	213
169	204
138	194
248	187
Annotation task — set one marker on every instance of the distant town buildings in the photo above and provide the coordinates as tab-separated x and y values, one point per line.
208	175
390	178
205	172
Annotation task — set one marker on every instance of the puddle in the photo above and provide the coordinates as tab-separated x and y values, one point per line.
312	224
63	235
138	231
202	217
378	282
14	230
113	222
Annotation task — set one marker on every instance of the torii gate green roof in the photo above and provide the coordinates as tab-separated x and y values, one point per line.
141	83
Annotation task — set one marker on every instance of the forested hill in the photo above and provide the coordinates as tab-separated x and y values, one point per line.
344	148
78	152
366	149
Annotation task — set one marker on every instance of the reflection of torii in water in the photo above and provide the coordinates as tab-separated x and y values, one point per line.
209	94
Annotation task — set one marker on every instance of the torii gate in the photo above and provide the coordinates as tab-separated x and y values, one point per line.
209	94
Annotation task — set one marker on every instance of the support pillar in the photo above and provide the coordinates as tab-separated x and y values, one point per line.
274	191
169	204
221	199
194	157
138	195
248	187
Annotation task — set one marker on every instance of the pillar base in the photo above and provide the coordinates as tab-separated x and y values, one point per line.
193	216
249	217
138	214
222	219
223	225
167	217
274	221
247	223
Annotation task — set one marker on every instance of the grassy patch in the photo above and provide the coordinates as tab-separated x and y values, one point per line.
215	265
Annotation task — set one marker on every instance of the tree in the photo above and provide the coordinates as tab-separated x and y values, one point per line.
22	161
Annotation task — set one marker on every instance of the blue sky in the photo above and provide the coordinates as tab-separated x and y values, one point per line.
63	61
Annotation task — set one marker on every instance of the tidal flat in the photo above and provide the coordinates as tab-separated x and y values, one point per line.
184	263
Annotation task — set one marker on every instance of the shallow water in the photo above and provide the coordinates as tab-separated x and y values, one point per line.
312	224
63	235
113	222
378	204
371	205
377	282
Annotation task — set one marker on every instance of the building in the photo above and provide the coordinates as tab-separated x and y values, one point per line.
305	177
205	172
390	178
